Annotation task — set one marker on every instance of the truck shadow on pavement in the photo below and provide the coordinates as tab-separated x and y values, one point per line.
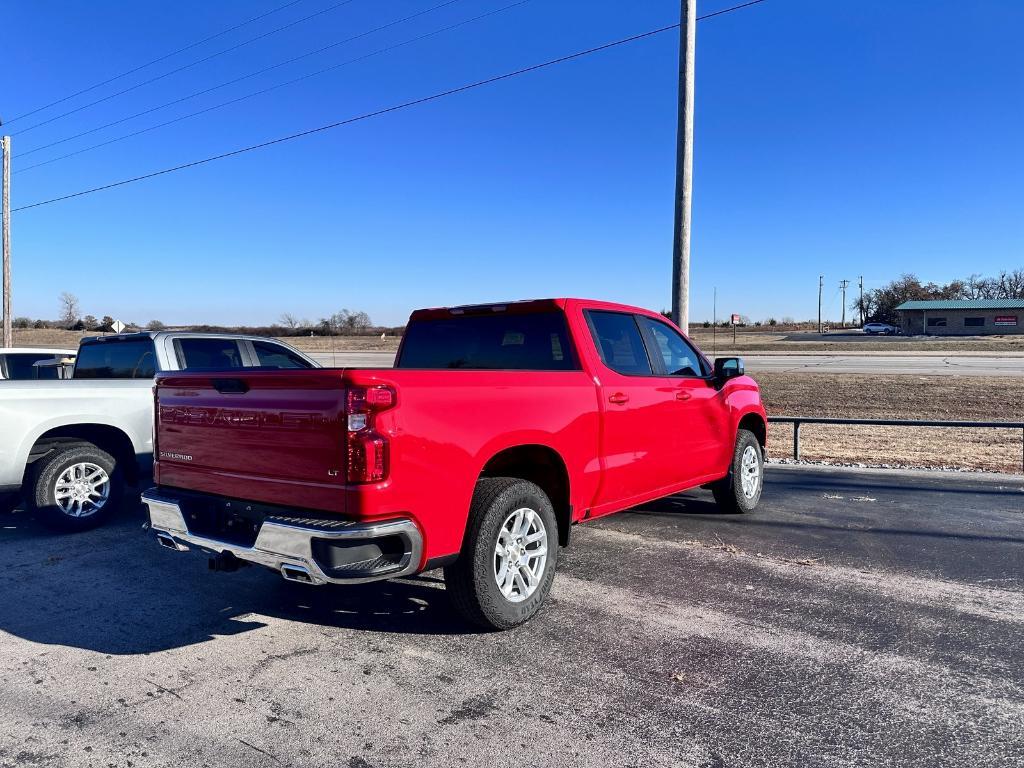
115	591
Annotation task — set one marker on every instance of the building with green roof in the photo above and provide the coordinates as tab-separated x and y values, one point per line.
962	317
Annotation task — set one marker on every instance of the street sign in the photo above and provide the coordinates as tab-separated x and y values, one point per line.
735	319
117	326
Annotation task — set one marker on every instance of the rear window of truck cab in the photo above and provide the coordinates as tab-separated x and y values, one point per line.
127	359
535	341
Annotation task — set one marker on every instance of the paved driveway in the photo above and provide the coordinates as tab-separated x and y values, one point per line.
857	619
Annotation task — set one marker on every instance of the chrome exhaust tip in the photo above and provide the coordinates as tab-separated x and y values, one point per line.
166	540
296	573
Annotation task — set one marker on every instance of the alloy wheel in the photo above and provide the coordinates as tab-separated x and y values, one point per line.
520	554
82	489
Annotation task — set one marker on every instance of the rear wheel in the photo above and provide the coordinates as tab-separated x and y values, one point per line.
740	490
507	563
76	487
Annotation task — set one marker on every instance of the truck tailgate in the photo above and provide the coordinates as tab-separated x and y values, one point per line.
266	436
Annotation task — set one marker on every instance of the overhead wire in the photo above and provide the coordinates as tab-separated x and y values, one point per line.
263	91
240	79
380	112
157	60
184	67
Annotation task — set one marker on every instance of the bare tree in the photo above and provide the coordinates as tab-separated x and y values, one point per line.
358	321
1010	284
69	309
155	325
289	320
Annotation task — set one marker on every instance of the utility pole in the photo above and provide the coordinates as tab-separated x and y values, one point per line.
5	205
861	306
684	167
843	284
821	284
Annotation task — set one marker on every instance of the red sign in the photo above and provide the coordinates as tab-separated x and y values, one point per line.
736	319
1005	320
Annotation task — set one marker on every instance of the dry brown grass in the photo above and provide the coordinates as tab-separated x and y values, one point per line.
48	337
898	397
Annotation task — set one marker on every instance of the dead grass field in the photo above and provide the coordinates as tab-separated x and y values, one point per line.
47	337
898	397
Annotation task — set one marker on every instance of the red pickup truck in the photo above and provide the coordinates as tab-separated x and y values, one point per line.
498	429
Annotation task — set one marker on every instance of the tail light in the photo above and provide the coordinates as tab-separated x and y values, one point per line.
367	449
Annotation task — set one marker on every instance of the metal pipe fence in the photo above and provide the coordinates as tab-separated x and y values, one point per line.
796	421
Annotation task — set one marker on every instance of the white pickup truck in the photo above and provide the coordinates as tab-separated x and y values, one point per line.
69	447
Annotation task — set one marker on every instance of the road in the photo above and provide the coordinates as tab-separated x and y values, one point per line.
857	619
921	365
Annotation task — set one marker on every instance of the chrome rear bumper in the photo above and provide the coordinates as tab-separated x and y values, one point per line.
290	545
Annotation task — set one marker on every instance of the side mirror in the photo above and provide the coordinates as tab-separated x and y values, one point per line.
728	368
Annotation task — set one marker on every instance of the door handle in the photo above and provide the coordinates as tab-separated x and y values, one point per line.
618	398
683	395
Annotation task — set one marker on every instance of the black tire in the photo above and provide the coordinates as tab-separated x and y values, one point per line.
472	579
728	493
41	493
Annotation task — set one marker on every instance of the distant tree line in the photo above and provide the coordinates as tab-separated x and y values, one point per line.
345	322
880	303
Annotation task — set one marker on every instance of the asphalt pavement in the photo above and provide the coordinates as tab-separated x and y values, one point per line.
866	363
856	619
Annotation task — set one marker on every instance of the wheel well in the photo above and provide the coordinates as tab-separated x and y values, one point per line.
754	423
110	439
544	467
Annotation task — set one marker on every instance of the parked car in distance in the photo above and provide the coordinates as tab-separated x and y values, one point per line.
499	427
881	329
19	363
67	448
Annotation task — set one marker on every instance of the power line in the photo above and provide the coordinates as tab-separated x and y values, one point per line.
157	60
379	112
263	91
184	67
728	10
248	76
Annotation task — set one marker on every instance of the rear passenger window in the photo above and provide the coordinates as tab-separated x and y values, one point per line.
128	359
619	342
531	341
275	356
208	353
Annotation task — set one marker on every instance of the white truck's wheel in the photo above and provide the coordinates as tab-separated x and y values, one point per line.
75	487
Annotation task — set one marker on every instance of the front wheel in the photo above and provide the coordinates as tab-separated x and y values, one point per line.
508	559
740	490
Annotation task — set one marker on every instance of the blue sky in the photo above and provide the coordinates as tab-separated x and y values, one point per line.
845	138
